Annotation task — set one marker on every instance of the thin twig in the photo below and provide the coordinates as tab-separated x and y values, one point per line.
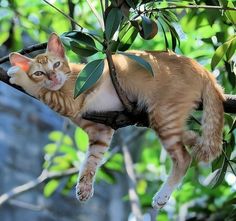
63	13
133	196
211	7
95	12
25	205
71	7
103	10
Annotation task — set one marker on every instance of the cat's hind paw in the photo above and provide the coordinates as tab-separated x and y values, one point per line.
161	198
84	189
159	201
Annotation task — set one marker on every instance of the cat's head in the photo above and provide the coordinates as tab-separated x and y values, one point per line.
48	70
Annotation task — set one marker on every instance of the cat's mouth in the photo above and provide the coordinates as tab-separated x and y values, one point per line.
56	83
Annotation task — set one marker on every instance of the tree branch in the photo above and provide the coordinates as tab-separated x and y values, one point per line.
113	119
120	92
28	50
43	177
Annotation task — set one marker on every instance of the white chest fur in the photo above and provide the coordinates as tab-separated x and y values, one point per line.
103	99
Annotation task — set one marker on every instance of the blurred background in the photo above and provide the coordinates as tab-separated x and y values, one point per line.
40	151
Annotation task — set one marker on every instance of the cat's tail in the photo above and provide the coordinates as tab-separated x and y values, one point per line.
209	145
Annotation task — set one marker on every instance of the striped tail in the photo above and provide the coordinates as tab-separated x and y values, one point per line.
209	145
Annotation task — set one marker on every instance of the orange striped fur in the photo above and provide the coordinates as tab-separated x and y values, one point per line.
178	85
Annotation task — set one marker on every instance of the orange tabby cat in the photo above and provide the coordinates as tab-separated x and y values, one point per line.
178	85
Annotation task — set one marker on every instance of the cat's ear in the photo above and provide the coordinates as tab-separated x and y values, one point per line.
19	60
55	45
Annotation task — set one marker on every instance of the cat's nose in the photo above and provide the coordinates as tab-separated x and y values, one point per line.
51	75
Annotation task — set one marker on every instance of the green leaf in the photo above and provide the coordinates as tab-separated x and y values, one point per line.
142	187
66	41
223	2
173	39
219	176
81	139
62	160
82	50
105	176
112	22
219	54
127	38
221	51
231	50
131	3
217	163
231	74
146	27
50	187
115	163
220	173
50	148
173	32
80	43
70	152
170	15
58	136
80	37
164	33
139	60
231	15
233	126
88	76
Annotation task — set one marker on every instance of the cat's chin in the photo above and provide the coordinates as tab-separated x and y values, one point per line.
54	87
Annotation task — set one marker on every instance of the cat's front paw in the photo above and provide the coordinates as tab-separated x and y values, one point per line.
16	75
84	188
12	71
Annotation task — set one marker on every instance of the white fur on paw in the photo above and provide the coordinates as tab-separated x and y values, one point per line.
13	80
84	189
12	71
161	198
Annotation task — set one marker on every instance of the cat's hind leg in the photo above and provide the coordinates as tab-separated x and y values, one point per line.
170	128
180	163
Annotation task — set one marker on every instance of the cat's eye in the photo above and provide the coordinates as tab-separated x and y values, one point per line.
57	64
38	73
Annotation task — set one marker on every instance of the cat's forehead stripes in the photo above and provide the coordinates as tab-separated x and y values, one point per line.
45	62
42	59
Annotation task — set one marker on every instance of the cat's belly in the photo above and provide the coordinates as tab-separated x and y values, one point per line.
104	102
103	99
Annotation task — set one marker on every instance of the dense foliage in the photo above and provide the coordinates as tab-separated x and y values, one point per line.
207	35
